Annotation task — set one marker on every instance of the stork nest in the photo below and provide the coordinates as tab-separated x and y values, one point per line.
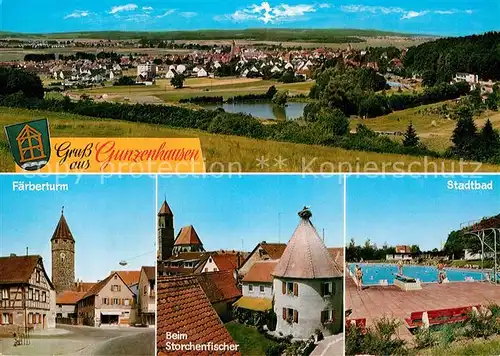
305	213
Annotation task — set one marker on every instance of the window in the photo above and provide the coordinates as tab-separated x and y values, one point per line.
145	290
327	289
290	315
44	297
37	276
30	318
30	294
37	295
6	318
105	301
250	288
327	316
206	269
115	301
116	288
5	294
289	288
126	302
261	289
215	269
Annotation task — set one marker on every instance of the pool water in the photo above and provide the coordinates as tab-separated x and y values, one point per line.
374	273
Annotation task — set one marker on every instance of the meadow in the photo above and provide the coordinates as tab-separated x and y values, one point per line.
237	154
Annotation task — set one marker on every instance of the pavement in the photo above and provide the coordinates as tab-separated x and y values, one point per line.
84	340
376	301
330	346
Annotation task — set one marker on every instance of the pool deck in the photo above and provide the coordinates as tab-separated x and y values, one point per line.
376	301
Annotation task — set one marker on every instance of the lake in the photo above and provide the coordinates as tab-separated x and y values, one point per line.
292	110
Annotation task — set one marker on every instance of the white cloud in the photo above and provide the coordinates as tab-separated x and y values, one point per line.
324	6
372	9
413	14
77	14
445	12
188	14
268	14
166	13
147	8
121	8
469	12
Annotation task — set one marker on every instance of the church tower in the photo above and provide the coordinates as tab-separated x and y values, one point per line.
165	231
63	256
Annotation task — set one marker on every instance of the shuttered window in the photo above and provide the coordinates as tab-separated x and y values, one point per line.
296	289
283	287
295	316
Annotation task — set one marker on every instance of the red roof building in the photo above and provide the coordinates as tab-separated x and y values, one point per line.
184	309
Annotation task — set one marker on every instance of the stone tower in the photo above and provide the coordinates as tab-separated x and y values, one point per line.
165	231
63	256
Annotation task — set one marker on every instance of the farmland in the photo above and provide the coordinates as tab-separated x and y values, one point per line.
237	154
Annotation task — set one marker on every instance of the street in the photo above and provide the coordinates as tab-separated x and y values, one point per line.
84	340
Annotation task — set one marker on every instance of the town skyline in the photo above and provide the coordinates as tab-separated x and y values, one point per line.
426	17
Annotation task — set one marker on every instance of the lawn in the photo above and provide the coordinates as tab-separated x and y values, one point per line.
250	340
434	131
233	153
225	87
466	348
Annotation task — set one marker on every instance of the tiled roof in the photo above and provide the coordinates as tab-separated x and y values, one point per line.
337	254
403	249
84	286
184	308
165	209
150	272
97	287
219	286
187	256
17	269
274	250
226	262
62	230
69	297
252	303
129	277
261	272
306	255
187	236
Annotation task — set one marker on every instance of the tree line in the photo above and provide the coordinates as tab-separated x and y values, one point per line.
438	61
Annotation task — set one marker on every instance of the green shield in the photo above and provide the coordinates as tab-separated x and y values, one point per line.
29	143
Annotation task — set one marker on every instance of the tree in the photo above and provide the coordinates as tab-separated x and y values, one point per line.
20	80
271	92
177	81
488	144
332	120
280	98
464	135
411	138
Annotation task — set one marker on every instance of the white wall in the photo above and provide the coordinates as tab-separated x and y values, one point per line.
268	290
309	303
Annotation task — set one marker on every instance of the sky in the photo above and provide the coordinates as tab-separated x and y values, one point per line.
232	210
409	210
111	219
457	17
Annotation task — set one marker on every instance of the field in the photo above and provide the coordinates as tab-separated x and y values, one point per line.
162	91
434	131
238	154
250	340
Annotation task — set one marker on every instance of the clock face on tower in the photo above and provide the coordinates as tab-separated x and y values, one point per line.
63	255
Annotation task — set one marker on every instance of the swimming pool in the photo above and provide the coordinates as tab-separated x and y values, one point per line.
374	274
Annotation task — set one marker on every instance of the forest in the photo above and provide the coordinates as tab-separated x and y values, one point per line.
439	60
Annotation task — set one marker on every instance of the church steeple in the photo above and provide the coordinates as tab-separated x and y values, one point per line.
165	231
63	256
62	230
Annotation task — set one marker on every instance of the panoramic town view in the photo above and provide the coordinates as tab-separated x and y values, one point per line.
419	92
423	271
76	281
250	274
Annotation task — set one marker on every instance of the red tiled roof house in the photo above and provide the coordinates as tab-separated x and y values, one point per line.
27	296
